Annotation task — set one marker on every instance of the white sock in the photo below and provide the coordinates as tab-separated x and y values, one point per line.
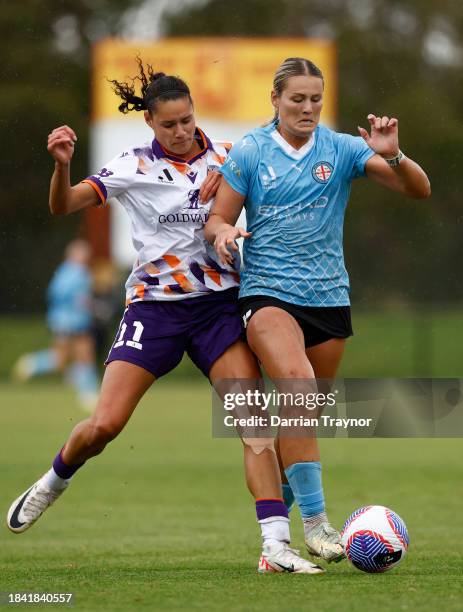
275	530
54	482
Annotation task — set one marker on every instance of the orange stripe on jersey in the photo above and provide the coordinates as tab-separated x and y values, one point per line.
97	189
226	145
235	276
140	291
220	158
213	275
184	283
167	289
182	168
150	268
171	260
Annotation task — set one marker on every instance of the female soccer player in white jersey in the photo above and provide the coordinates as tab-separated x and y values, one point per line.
179	297
293	177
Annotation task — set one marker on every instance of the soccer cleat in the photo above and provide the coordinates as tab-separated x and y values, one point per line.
281	558
22	369
25	510
325	542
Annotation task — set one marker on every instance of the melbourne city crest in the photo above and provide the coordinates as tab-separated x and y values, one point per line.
322	171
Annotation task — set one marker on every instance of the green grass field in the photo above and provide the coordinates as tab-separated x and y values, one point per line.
162	519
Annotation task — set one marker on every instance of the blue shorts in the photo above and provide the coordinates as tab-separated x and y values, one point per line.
69	322
156	334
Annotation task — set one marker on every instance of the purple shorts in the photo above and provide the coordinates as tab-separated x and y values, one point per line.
155	335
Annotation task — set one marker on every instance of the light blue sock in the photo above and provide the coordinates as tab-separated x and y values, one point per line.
42	362
288	496
83	377
305	480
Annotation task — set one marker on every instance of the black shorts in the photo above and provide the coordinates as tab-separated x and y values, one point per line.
318	323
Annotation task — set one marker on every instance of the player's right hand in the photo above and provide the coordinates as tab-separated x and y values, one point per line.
61	144
225	242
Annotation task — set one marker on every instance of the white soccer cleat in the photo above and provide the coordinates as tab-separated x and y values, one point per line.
325	542
281	558
25	510
22	369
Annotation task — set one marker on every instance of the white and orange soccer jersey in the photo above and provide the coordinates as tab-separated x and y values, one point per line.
160	193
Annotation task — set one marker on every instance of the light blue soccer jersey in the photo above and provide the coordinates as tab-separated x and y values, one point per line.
295	204
69	299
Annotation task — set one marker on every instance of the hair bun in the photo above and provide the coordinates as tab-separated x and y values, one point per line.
157	75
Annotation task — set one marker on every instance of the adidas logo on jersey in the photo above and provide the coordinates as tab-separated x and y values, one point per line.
166	177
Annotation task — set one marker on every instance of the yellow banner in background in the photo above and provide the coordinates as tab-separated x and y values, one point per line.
230	78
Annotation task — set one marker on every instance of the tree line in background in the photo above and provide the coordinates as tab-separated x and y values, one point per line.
394	58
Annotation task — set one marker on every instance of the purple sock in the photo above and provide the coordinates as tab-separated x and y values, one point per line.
62	469
265	508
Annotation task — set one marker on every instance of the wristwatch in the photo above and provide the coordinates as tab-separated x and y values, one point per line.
394	161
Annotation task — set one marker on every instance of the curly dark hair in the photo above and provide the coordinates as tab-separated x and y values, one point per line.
155	87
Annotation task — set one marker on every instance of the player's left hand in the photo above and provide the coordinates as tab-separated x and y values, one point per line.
210	186
384	137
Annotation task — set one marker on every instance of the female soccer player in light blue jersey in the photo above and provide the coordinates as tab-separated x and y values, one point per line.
293	177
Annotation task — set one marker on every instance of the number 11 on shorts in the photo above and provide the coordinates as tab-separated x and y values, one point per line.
135	342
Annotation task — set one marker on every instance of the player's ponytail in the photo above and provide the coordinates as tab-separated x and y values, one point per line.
155	86
292	66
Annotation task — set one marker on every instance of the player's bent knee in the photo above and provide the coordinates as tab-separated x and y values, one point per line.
259	325
258	445
270	321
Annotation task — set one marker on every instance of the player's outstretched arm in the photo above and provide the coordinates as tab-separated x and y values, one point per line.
406	177
220	228
65	199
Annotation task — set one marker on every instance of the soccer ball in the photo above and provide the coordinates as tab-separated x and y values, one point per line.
375	539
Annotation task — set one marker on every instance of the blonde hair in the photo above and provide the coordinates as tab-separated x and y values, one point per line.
293	66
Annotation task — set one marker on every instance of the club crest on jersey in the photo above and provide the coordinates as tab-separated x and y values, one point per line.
322	171
193	199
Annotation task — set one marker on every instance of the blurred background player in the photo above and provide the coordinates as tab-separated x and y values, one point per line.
70	320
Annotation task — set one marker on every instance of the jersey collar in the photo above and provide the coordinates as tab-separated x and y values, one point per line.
289	149
203	142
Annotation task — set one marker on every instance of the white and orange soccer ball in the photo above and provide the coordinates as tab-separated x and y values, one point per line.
375	539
